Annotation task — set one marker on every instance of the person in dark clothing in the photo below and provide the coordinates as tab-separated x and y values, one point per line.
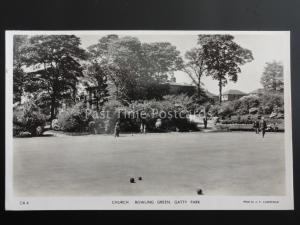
256	126
117	129
205	122
263	126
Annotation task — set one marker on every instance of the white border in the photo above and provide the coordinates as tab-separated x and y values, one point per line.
105	203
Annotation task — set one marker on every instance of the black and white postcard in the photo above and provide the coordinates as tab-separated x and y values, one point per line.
143	120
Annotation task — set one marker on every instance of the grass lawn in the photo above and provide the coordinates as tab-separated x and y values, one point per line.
232	163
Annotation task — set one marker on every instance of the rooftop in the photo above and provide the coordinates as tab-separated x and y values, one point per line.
257	91
234	92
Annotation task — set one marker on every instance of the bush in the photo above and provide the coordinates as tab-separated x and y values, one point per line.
226	109
78	119
112	112
271	102
214	110
55	125
172	111
266	104
28	118
246	103
74	119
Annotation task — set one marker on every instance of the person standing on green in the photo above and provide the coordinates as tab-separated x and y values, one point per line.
256	126
263	126
205	122
117	129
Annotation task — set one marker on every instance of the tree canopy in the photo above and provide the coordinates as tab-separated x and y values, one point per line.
272	77
223	58
54	66
196	67
135	69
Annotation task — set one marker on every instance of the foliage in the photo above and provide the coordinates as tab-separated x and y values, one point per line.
111	114
183	101
214	110
265	104
55	125
54	65
226	109
43	100
28	118
136	70
272	77
223	58
96	78
196	67
74	119
160	60
272	102
172	111
244	104
173	116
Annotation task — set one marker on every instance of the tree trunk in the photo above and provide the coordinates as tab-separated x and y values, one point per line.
220	91
198	91
53	100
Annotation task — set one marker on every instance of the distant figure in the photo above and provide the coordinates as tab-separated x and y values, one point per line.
142	128
263	126
205	122
140	178
256	126
117	129
132	180
158	123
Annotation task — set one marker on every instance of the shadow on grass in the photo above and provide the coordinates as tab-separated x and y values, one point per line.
29	136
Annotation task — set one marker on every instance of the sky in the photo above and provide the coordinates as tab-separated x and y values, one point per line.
265	47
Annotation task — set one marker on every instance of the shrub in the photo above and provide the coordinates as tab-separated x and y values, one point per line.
266	104
55	125
226	109
184	101
172	111
246	103
214	110
272	101
112	112
28	118
78	119
74	119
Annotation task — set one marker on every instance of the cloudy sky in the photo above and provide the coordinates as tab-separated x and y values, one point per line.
265	48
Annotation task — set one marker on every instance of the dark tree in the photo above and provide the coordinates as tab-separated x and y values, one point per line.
161	60
136	70
223	58
53	67
96	78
